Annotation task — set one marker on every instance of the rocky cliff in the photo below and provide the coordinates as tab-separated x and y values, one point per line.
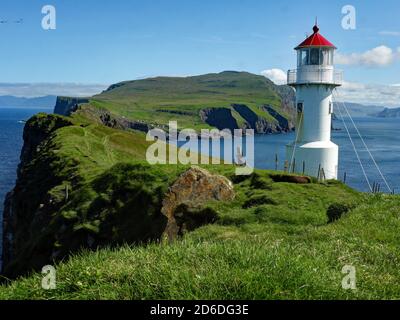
24	211
66	105
73	192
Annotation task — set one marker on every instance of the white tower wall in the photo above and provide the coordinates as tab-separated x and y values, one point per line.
317	118
313	152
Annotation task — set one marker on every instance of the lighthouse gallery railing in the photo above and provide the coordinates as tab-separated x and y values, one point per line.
328	76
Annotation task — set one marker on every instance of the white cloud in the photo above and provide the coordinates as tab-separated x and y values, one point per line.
372	94
31	90
278	76
379	56
369	94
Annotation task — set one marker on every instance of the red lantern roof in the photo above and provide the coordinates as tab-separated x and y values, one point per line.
315	40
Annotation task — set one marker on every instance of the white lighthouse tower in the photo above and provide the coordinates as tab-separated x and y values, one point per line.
313	152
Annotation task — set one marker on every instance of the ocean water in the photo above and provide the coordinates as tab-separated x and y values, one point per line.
382	137
11	129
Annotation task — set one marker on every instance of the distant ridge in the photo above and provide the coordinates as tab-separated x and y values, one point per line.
388	113
359	110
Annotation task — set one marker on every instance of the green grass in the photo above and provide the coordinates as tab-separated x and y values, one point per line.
300	258
272	242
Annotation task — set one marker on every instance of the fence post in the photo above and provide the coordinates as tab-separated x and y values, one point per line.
276	162
286	165
323	177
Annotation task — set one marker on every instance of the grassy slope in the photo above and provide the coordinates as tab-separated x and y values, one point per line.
277	250
142	99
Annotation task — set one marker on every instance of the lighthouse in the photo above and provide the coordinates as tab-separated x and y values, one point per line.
314	80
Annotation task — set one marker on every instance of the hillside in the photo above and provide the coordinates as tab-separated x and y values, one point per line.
89	187
389	113
359	110
225	100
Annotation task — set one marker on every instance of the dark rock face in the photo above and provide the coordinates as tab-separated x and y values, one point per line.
253	121
23	205
221	118
67	105
115	122
183	202
284	124
250	117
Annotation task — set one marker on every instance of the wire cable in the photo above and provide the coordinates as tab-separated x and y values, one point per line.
366	147
354	147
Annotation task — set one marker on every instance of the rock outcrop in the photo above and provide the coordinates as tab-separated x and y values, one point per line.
66	105
285	124
220	118
183	205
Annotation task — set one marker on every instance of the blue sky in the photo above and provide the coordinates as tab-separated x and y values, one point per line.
103	42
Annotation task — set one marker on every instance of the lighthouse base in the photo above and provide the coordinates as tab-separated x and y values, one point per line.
319	158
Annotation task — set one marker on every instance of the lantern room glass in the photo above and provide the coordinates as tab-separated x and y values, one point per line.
315	56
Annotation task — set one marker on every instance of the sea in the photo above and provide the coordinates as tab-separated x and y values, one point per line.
381	135
380	159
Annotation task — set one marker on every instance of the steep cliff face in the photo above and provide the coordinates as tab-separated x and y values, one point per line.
82	185
66	105
222	118
23	208
285	123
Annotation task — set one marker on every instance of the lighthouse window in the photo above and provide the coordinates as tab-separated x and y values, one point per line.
330	107
326	57
314	56
304	57
300	107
